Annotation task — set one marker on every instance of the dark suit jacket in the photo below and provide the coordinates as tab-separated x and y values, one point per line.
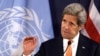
54	47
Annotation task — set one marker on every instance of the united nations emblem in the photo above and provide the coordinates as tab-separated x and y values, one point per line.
15	24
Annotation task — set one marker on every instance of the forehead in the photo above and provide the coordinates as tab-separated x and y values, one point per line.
70	17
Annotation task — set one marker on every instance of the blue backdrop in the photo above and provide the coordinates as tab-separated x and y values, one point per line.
20	18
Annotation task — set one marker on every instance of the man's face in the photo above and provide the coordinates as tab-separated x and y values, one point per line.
69	26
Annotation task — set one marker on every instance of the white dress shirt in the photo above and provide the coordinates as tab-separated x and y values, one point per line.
27	55
73	45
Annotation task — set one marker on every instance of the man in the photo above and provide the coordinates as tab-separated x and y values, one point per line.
73	20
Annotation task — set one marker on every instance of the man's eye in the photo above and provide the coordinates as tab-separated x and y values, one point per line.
72	23
63	20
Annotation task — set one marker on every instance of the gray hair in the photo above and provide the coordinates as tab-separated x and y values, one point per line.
78	10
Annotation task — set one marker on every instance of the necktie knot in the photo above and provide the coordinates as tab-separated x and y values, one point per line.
69	43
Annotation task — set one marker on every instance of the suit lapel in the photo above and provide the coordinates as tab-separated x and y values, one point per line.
60	49
82	46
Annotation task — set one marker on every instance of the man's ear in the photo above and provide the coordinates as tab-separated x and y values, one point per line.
81	27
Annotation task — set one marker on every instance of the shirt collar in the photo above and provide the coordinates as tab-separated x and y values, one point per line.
74	44
75	39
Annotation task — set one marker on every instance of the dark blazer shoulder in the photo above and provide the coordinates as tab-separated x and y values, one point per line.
87	39
55	38
51	48
87	47
53	42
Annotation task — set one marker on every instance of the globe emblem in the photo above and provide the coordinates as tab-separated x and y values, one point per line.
15	24
13	34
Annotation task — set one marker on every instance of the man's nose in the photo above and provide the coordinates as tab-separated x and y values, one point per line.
66	26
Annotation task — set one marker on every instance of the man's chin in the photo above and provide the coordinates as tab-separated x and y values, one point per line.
66	37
